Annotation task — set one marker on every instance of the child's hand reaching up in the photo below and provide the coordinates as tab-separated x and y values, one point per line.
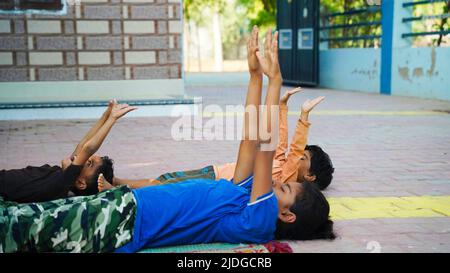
119	110
269	62
252	47
284	99
309	105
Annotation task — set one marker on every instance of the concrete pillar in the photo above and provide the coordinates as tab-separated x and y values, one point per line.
392	13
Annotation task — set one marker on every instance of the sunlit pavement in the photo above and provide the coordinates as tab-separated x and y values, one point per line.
391	189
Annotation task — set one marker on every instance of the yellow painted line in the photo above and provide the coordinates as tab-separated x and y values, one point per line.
371	113
345	208
340	113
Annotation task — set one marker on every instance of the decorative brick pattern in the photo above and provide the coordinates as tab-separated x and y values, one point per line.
94	58
92	27
136	27
69	27
58	74
105	73
71	58
102	12
6	58
44	26
21	58
13	74
162	27
106	42
151	72
175	27
140	57
149	12
5	26
46	58
13	43
174	56
19	26
96	40
117	57
55	43
150	42
138	1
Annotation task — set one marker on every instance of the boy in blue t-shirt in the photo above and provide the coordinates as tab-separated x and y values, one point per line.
248	209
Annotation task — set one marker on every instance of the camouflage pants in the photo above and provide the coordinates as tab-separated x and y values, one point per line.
174	177
96	223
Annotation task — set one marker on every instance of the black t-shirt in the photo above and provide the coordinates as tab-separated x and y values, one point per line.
37	184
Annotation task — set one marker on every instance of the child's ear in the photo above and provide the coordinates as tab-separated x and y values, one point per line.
81	184
287	216
310	177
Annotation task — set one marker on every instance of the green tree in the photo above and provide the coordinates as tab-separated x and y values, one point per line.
335	6
260	12
194	11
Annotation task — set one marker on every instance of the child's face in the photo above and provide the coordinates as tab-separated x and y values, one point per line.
303	170
90	167
286	194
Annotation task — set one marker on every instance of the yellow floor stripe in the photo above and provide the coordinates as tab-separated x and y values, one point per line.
341	113
344	208
371	113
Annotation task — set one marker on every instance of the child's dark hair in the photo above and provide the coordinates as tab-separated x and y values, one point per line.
92	186
321	166
312	217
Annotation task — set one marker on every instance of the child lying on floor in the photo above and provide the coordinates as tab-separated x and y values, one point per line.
247	209
77	174
304	163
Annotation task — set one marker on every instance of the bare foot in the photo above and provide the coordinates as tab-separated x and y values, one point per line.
102	184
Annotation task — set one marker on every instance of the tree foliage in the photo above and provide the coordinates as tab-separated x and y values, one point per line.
431	24
334	6
260	12
195	10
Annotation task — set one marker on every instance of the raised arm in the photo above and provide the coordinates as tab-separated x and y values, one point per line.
262	181
280	153
248	145
94	129
94	143
298	143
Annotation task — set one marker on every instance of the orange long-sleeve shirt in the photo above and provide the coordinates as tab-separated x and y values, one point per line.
285	168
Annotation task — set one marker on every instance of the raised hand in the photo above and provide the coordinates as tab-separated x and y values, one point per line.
119	110
252	47
284	99
309	105
269	62
109	108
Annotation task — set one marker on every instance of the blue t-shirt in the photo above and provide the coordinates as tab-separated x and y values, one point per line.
201	211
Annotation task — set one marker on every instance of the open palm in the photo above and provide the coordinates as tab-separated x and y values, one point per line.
269	61
119	110
252	48
308	105
284	99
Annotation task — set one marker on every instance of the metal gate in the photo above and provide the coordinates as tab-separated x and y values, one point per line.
298	25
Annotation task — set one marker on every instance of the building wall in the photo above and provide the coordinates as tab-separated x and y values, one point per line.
421	72
408	71
416	72
91	47
356	69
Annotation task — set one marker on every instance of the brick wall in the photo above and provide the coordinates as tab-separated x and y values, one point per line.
95	40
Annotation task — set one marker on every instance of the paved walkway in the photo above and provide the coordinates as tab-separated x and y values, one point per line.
391	190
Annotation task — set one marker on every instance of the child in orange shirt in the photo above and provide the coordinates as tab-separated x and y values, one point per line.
303	163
